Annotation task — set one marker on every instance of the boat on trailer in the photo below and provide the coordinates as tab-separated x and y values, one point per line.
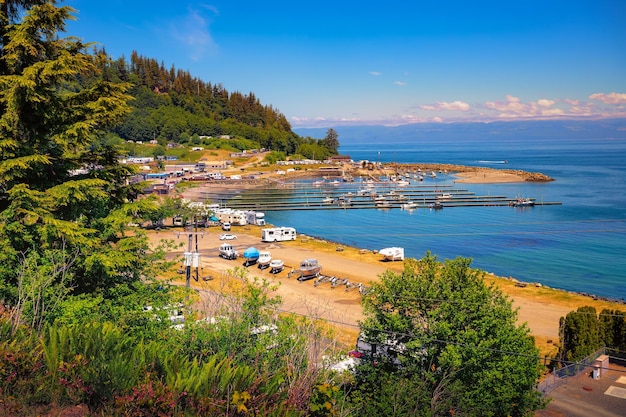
264	260
276	266
251	255
392	254
309	268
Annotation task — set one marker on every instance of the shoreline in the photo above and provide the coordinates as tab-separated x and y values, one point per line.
538	306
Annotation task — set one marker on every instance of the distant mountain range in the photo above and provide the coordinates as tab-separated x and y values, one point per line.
476	131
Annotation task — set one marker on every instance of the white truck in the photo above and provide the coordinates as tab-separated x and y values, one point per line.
227	251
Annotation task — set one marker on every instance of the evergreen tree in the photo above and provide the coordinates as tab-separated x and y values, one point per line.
331	141
580	334
61	186
613	328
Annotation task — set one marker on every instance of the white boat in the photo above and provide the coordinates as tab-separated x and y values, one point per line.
392	254
522	202
328	200
252	255
227	251
444	196
383	204
344	201
309	268
409	205
402	183
265	258
276	266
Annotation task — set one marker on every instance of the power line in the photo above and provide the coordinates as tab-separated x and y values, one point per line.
449	342
468	346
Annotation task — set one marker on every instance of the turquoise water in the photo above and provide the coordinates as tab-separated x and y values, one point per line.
578	246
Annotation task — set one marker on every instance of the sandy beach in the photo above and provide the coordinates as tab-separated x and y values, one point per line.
539	307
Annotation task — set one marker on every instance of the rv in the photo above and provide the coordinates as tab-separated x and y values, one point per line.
255	217
235	217
278	234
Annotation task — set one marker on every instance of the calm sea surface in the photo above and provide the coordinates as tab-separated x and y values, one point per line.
577	246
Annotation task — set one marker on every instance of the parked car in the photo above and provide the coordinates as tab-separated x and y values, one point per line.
227	236
226	226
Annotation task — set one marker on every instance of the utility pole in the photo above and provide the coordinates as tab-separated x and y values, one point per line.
191	259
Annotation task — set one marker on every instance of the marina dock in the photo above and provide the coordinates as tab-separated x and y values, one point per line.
356	195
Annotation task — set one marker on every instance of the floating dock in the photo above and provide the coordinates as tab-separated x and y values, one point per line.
353	195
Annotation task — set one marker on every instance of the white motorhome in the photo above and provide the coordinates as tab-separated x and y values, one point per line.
277	234
256	218
236	217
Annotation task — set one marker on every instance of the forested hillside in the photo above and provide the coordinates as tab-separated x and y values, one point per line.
171	105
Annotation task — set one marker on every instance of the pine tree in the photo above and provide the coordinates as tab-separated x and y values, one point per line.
60	183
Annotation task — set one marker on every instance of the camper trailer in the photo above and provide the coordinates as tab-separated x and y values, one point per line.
278	234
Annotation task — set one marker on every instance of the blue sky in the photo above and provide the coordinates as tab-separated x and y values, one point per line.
327	63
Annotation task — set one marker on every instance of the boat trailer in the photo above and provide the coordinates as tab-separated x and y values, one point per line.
335	281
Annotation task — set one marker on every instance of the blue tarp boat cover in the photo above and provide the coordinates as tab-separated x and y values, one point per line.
251	253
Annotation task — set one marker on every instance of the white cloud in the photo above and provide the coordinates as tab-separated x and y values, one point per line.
298	120
192	32
400	83
210	8
376	73
513	107
442	105
410	118
552	112
545	102
611	98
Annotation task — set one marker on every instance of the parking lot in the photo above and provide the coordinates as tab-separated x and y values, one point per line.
583	396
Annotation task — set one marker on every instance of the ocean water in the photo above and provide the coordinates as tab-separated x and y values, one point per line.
577	246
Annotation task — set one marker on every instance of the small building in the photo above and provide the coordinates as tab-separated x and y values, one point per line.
160	189
600	366
339	159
